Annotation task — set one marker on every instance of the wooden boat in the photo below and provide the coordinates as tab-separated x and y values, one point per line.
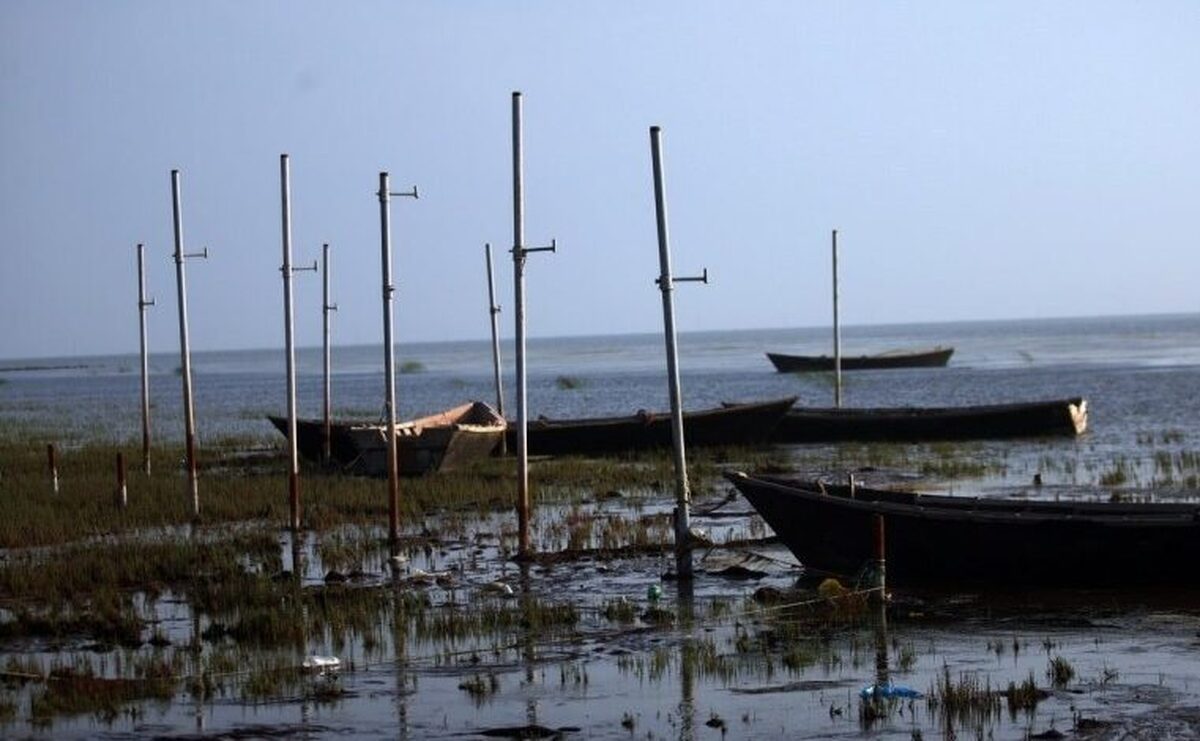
438	442
932	358
995	542
736	424
909	424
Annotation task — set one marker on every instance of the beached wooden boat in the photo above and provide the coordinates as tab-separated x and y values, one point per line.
994	542
438	442
736	424
932	358
913	424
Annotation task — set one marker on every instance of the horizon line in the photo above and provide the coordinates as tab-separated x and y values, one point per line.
12	358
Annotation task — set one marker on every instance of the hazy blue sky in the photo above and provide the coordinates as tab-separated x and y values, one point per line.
981	160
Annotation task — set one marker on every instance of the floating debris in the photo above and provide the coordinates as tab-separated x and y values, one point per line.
322	664
888	691
498	588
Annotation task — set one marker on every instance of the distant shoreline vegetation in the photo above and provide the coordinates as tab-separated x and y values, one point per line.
26	368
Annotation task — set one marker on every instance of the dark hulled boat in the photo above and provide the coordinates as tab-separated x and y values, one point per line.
735	424
932	358
912	424
438	442
993	542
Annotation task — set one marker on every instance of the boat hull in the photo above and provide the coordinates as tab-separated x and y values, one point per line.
916	424
982	542
737	424
442	442
935	358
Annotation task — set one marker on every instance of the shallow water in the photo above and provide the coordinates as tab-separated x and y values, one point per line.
716	664
723	659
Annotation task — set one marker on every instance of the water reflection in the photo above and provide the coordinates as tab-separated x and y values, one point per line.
686	611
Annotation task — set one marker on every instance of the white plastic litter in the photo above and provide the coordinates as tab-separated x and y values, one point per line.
498	587
322	664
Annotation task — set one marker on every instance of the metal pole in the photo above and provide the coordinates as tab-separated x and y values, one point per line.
837	332
389	360
683	552
880	559
143	302
185	357
494	311
523	503
519	252
326	308
289	344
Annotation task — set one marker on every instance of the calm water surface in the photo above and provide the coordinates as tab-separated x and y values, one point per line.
1134	656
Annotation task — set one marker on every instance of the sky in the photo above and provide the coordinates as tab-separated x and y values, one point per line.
979	161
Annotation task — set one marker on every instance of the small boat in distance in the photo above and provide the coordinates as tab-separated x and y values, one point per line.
437	442
918	424
734	424
929	358
937	539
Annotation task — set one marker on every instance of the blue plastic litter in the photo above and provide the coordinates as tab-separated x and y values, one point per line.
888	691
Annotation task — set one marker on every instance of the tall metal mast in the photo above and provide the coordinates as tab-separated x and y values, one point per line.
683	551
185	354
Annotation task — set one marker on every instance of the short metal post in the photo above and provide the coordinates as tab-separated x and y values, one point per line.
185	355
519	252
326	308
837	332
143	303
51	459
880	584
683	550
122	492
389	359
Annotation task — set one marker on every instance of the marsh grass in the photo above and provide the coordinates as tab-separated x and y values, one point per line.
240	480
70	692
938	460
480	686
968	700
1024	696
1060	672
78	569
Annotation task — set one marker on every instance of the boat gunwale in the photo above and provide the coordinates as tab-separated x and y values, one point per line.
642	417
940	507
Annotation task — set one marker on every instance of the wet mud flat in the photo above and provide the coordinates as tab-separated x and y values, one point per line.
449	638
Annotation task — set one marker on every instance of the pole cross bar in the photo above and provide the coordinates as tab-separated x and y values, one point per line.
203	255
407	194
522	251
302	268
702	278
144	304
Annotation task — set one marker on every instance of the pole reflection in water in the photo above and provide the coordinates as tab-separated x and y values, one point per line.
881	645
197	671
297	554
396	562
528	645
686	603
